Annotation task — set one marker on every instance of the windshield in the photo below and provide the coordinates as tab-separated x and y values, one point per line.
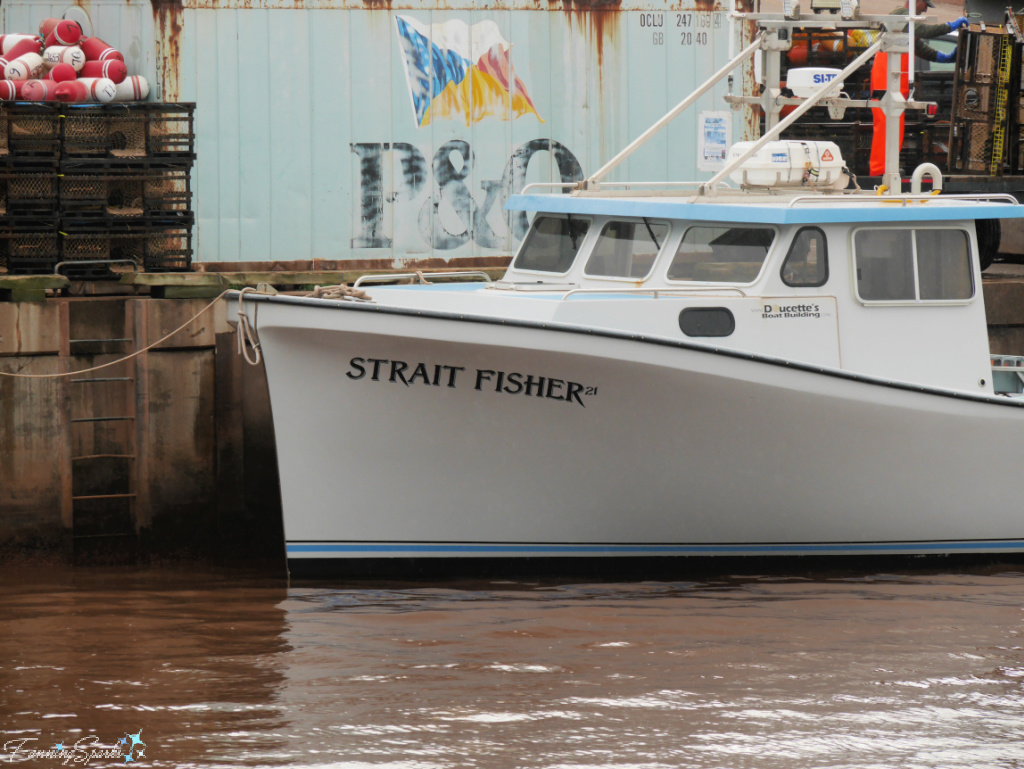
551	244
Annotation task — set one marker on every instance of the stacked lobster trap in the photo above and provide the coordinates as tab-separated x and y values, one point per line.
987	124
95	190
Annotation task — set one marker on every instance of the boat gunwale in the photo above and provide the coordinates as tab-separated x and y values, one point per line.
369	306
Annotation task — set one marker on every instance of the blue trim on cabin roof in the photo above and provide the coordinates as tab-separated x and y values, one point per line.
762	213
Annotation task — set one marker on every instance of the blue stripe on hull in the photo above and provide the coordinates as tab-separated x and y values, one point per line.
357	550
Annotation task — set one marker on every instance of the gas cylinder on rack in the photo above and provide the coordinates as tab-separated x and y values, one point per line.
7	42
132	88
25	67
38	90
96	50
29	45
61	73
64	54
111	69
64	32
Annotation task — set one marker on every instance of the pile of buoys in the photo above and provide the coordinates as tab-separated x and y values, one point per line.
61	64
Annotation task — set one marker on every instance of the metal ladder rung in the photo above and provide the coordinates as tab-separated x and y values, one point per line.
102	456
104	496
102	419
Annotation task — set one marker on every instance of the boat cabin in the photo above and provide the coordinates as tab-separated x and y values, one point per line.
879	287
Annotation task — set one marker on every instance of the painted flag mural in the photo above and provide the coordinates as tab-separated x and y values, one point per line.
460	72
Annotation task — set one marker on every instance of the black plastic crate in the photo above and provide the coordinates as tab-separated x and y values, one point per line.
29	252
153	249
130	133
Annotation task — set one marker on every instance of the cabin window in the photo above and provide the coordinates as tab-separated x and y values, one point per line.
927	264
627	249
721	254
551	244
806	263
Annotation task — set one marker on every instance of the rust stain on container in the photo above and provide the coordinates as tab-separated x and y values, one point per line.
169	18
599	15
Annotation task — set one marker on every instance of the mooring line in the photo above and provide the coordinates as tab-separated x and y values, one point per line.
126	357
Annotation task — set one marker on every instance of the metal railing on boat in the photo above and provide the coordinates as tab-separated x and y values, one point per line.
676	290
994	197
618	185
420	277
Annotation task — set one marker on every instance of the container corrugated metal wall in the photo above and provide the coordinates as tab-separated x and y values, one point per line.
321	136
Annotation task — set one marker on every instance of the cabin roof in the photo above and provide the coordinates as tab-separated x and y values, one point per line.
765	209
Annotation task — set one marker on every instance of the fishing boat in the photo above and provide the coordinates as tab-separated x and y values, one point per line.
765	363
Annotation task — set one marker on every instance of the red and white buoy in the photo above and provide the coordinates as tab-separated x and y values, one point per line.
111	69
96	50
99	89
9	90
28	45
7	42
132	88
25	67
64	32
62	72
38	90
64	54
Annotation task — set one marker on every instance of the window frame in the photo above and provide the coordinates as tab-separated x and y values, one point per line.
721	225
574	217
916	301
789	251
629	219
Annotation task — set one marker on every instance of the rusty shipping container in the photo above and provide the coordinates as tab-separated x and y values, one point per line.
379	134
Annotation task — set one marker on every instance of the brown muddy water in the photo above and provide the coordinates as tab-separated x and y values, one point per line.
167	668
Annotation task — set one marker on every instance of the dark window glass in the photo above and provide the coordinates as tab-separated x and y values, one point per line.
885	266
721	254
551	244
627	249
807	261
885	260
707	321
944	264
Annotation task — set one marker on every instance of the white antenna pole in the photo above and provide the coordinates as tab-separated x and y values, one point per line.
911	12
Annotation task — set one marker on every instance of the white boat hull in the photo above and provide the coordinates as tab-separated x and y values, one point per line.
640	446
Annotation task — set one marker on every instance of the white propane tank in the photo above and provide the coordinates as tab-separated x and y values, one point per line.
803	82
791	164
